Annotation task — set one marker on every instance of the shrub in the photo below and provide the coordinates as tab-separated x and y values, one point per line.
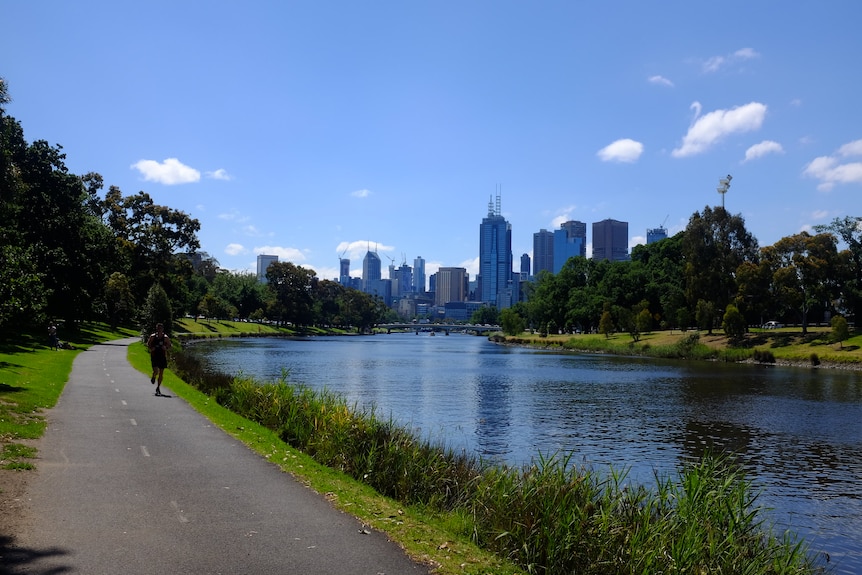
764	356
814	359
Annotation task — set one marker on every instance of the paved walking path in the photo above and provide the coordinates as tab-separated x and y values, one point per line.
131	483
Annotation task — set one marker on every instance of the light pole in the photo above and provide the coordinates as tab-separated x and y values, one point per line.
723	186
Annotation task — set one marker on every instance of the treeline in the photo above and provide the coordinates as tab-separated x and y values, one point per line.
71	254
713	274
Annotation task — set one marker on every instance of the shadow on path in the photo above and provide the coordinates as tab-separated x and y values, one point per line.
15	559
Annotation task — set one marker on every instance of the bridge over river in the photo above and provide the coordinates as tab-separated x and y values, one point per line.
435	327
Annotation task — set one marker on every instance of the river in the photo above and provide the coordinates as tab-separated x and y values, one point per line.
797	431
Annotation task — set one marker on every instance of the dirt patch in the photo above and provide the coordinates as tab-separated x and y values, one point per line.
13	487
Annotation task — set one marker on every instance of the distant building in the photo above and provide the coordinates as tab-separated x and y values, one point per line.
611	240
344	271
263	262
543	252
371	272
419	275
654	235
569	241
451	286
495	258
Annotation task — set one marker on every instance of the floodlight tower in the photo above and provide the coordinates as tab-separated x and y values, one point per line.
723	186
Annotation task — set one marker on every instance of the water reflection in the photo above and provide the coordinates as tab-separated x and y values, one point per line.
796	432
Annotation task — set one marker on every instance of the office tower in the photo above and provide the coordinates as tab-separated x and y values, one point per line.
655	234
451	285
495	258
525	265
344	271
419	275
543	252
404	279
263	262
611	240
569	241
370	271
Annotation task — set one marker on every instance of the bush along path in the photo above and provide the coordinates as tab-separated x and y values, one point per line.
549	517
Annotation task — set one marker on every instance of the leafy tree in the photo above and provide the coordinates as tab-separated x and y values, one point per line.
156	309
705	315
293	288
487	314
119	301
606	324
643	321
714	245
840	330
733	323
802	266
849	275
511	322
149	237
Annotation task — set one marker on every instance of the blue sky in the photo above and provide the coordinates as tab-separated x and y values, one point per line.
315	129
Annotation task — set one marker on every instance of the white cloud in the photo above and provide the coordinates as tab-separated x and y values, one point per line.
292	255
472	267
830	171
233	216
219	174
819	215
763	148
624	150
660	81
746	54
637	241
708	129
356	250
363	193
170	172
715	63
852	149
235	249
563	215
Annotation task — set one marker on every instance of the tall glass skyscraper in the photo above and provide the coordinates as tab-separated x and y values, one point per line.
370	271
569	241
419	275
495	258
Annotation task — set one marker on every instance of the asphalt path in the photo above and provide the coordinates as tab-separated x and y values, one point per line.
136	484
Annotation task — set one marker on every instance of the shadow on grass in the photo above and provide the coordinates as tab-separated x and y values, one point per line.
6	388
22	560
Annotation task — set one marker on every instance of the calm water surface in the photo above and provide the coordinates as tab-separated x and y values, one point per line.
798	431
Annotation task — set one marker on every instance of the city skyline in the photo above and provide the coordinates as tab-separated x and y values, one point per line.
314	131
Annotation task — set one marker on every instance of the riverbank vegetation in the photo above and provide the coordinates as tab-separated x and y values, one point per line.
817	348
549	517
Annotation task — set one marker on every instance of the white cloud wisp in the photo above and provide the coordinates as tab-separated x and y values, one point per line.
171	172
710	128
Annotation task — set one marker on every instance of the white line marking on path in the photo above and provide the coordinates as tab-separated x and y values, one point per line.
133	421
144	451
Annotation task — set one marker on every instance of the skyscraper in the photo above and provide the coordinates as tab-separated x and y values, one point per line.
525	266
495	258
419	275
370	271
655	234
263	262
569	241
611	240
543	252
344	271
451	285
